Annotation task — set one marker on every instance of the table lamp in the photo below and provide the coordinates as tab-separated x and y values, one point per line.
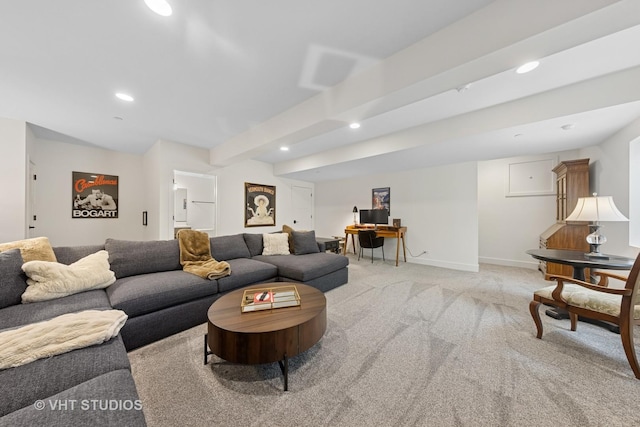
355	212
596	209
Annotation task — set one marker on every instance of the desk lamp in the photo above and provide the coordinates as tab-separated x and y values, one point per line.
596	209
355	212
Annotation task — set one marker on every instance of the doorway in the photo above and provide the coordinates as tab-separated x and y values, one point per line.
31	204
194	202
302	203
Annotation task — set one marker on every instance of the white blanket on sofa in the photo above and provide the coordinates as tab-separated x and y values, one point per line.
58	335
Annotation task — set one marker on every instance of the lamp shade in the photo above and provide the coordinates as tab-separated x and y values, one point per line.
596	208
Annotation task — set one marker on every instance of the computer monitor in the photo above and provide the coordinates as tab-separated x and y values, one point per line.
374	216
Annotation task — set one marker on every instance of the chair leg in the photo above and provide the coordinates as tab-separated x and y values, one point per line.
371	255
626	334
533	308
382	253
574	321
359	253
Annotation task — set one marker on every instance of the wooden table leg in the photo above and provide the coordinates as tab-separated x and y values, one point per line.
397	249
346	243
404	248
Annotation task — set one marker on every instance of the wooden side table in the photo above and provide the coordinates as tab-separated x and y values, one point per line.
330	244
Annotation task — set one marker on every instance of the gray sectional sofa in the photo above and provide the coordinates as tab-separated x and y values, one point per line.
160	300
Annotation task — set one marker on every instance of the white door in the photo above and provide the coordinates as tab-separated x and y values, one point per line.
31	203
302	202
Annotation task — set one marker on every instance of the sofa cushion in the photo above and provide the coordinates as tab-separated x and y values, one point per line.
113	388
146	293
128	258
224	248
254	243
303	268
275	244
245	271
37	248
23	385
71	254
22	314
304	242
12	280
50	280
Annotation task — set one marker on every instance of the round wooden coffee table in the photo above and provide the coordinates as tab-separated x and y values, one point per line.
265	336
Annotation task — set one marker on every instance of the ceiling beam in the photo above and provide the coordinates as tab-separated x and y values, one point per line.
430	66
593	94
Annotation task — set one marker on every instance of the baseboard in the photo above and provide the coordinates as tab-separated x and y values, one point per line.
445	264
532	265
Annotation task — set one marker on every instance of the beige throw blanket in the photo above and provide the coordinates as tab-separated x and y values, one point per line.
195	256
58	335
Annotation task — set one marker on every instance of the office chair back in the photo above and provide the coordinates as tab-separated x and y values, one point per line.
369	240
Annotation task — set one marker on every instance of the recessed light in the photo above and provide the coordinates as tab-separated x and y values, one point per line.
283	148
161	7
568	126
354	125
529	66
124	97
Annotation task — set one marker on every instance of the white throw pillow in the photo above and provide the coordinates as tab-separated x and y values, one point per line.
275	244
49	280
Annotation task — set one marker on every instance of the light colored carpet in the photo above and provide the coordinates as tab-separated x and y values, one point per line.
408	345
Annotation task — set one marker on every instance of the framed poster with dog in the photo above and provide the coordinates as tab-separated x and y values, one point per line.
94	195
260	205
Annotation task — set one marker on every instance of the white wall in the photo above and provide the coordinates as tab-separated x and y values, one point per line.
458	213
511	225
13	175
634	193
438	206
231	201
146	184
55	162
609	176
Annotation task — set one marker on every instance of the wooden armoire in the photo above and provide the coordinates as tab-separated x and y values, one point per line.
572	182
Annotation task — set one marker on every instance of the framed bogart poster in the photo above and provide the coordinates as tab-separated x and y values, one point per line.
94	195
260	205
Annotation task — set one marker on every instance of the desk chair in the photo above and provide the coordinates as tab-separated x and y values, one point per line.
596	301
368	239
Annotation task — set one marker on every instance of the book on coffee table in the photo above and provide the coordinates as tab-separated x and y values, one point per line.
269	298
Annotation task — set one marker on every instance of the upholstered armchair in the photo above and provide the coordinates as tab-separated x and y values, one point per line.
368	239
619	306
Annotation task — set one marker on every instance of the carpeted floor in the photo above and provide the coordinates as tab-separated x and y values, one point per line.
408	345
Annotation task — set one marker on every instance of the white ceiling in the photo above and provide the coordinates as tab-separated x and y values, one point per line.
244	77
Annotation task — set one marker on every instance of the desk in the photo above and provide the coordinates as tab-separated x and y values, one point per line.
382	231
579	261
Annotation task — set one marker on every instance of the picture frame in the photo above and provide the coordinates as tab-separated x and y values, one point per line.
531	177
94	196
260	205
381	198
